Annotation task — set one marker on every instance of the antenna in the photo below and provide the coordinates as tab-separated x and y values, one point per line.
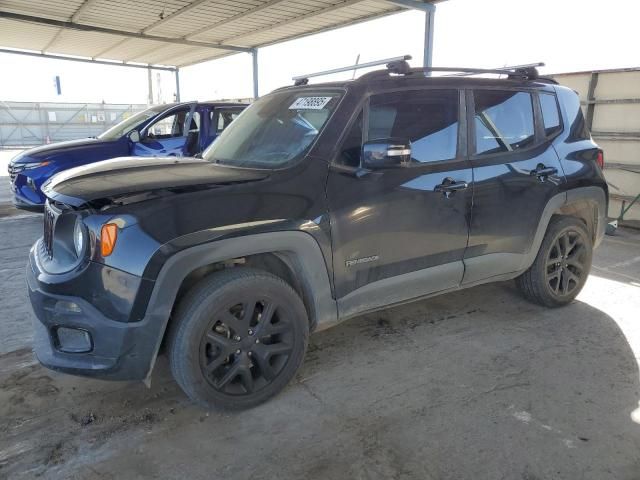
356	67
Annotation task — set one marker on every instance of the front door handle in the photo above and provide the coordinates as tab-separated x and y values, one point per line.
543	172
450	186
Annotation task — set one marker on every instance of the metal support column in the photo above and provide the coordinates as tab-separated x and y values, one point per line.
177	84
429	10
150	87
429	15
254	58
591	98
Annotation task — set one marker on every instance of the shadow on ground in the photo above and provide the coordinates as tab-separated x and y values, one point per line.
473	385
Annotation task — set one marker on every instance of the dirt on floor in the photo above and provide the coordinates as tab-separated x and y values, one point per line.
478	384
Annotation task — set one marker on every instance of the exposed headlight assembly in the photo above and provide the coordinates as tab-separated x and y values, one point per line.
79	237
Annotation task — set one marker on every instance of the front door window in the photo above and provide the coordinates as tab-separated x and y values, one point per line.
175	134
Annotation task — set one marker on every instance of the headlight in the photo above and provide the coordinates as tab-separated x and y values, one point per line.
79	237
31	166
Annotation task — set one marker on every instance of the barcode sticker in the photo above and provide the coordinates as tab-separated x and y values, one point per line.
310	103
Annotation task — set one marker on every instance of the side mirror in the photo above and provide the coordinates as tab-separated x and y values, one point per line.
134	136
386	153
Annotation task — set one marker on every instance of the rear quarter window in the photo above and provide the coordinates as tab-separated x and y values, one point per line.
577	125
550	114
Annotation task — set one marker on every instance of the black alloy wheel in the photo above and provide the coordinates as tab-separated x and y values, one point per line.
245	346
566	263
237	338
562	264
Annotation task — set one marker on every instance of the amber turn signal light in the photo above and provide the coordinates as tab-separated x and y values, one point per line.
108	237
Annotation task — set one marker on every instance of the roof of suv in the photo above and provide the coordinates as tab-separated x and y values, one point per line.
417	80
387	78
439	81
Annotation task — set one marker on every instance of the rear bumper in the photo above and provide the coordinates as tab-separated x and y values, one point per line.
118	350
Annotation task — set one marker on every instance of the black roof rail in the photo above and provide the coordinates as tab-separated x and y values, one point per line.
401	67
304	79
548	80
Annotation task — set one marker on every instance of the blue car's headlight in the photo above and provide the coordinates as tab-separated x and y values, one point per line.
31	166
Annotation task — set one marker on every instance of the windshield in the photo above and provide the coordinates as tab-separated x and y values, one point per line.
275	130
128	124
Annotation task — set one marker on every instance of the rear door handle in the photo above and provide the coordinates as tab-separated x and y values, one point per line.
543	172
449	186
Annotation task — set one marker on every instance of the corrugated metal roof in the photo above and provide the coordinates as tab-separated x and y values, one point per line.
171	32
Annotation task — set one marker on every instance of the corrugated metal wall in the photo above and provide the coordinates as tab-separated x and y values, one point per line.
30	123
611	103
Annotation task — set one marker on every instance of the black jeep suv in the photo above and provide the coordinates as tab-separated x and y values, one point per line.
320	202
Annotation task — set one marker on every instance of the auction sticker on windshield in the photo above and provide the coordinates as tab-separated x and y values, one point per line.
310	103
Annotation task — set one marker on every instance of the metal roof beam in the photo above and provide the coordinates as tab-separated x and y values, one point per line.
53	40
160	22
111	47
183	10
315	13
234	18
327	28
121	33
414	5
175	14
74	18
202	60
142	54
82	9
83	60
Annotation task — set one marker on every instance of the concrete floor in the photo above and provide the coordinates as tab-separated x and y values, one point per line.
477	384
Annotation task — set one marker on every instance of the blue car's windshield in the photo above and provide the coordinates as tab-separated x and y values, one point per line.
130	123
275	130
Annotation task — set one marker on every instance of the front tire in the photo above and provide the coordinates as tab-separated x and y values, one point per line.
562	265
237	338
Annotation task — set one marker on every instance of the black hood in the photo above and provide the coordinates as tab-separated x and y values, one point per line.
106	181
37	153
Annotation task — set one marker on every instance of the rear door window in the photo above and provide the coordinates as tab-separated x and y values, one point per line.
427	118
503	121
222	118
550	114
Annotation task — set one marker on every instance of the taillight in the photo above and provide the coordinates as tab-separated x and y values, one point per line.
600	160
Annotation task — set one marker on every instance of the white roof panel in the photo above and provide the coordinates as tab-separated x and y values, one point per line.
171	32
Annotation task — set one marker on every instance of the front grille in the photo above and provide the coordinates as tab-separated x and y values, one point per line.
13	172
49	225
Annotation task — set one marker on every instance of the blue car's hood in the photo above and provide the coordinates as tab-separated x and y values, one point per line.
37	154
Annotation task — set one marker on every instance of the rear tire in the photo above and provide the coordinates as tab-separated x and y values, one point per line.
562	265
237	338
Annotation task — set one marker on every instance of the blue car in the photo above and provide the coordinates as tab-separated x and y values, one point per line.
173	130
